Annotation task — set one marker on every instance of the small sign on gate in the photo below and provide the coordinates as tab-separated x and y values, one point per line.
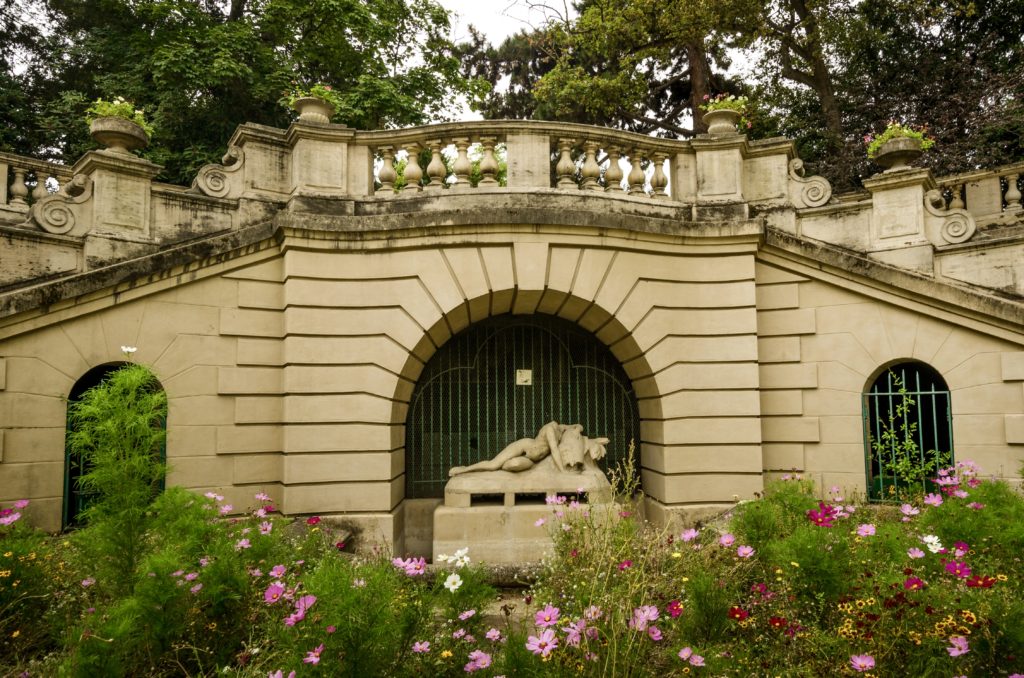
524	377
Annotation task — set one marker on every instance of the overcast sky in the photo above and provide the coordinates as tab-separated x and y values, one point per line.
497	19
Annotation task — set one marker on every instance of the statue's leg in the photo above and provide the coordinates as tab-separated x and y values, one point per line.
514	450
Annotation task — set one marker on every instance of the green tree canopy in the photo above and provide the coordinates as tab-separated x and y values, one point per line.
198	69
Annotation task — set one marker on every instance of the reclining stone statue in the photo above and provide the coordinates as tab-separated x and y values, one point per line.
570	450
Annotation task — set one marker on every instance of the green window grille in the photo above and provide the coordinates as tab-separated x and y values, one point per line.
911	401
75	500
467	405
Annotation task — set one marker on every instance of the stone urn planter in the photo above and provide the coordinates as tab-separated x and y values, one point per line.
118	134
313	109
722	121
897	153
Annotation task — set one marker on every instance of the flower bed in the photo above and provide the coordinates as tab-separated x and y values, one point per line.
789	584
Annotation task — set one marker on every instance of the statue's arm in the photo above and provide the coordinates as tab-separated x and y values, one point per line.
553	447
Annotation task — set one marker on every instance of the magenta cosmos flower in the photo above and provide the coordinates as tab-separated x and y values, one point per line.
547	617
273	593
958	569
544	644
862	662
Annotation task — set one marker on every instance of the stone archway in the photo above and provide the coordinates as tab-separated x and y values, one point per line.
502	379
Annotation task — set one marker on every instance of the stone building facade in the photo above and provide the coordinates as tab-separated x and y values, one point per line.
291	300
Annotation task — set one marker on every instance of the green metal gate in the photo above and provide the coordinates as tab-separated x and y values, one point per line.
910	400
467	405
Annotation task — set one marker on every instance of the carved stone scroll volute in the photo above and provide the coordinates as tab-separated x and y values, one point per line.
224	180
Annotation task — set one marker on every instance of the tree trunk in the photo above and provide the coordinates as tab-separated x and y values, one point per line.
700	83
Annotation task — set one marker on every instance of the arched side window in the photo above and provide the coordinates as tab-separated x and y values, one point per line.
908	431
75	500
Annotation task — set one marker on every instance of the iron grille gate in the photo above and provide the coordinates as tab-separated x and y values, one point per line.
467	405
928	421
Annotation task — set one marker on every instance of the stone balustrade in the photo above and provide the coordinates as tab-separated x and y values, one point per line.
989	195
25	181
538	155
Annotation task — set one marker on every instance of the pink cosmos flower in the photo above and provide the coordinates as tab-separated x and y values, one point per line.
177	573
862	662
242	544
745	551
574	632
331	629
687	655
88	581
625	565
358	583
197	588
915	552
416	566
593	612
865	530
961	549
933	499
467	614
689	535
958	646
278	674
191	576
313	656
266	527
727	540
262	496
204	561
544	644
976	506
539	522
478	660
10	518
493	635
226	509
654	632
642	616
21	503
421	646
458	634
277	571
273	593
547	617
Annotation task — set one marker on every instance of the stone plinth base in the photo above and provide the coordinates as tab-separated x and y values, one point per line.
494	534
494	513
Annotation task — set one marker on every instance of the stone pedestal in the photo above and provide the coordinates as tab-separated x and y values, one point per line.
495	513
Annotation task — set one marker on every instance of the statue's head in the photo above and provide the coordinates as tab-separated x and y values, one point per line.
595	447
572	451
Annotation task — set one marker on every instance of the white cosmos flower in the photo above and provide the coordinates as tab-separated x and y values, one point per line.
128	350
453	582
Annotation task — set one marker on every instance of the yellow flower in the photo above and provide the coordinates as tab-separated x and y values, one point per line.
968	616
445	654
8	554
15	634
5	573
795	564
1001	577
677	554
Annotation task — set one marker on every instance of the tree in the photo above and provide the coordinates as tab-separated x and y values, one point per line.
643	65
199	69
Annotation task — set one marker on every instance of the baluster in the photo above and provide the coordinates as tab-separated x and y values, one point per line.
40	192
957	201
488	164
413	171
659	181
436	170
565	170
387	174
462	167
591	170
19	191
1012	193
636	174
613	175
